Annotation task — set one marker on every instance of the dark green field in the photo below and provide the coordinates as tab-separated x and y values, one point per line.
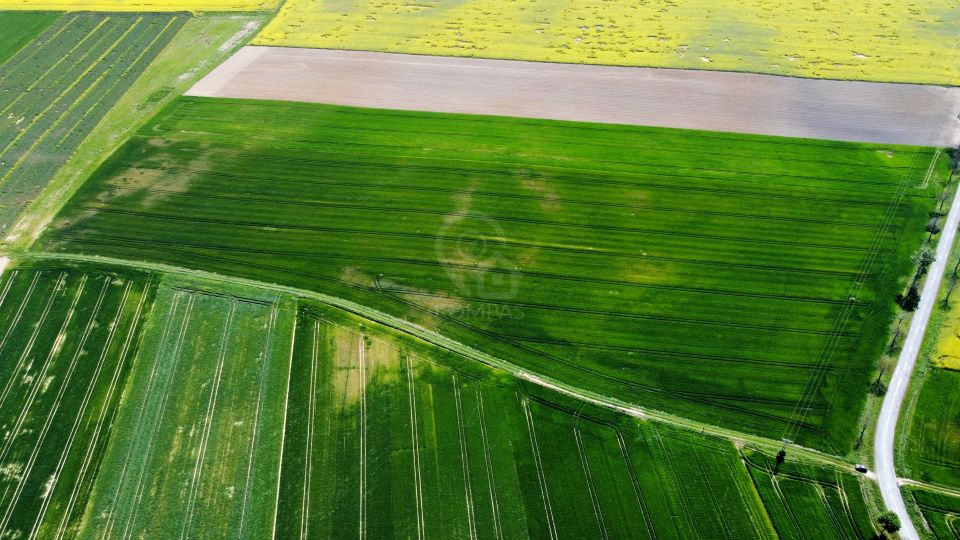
740	280
19	28
55	90
806	502
67	339
941	513
932	446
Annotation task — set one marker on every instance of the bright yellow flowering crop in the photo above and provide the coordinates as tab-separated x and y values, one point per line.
878	40
138	5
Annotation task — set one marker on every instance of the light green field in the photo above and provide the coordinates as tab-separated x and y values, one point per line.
872	40
196	446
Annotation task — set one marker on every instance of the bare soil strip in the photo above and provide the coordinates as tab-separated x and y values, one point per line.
708	100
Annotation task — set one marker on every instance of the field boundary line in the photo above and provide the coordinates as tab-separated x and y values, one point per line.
308	451
415	447
588	477
488	465
363	437
541	476
464	461
283	430
267	357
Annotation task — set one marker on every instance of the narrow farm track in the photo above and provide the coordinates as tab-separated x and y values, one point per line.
716	101
885	435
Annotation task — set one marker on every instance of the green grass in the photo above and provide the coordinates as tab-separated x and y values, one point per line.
705	274
19	28
67	338
806	501
940	512
55	90
197	442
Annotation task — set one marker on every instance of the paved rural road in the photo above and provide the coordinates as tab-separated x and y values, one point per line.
709	100
887	421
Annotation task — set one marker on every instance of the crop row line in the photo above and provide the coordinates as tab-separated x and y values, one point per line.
415	448
28	347
267	356
827	351
626	315
365	232
541	476
464	461
573	176
107	239
208	422
315	203
488	462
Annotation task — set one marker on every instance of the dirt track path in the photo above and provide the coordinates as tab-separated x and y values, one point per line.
739	102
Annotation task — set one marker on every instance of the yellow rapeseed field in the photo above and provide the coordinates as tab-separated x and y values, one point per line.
877	40
947	353
138	5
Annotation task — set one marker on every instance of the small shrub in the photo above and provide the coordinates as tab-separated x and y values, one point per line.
890	521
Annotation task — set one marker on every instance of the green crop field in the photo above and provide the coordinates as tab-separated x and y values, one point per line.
196	444
55	90
810	502
67	337
387	438
19	28
741	280
941	513
168	406
932	445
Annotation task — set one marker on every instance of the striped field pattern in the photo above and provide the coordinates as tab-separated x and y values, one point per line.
58	87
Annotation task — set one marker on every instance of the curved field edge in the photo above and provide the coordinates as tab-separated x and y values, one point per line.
199	46
785	275
417	446
871	41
